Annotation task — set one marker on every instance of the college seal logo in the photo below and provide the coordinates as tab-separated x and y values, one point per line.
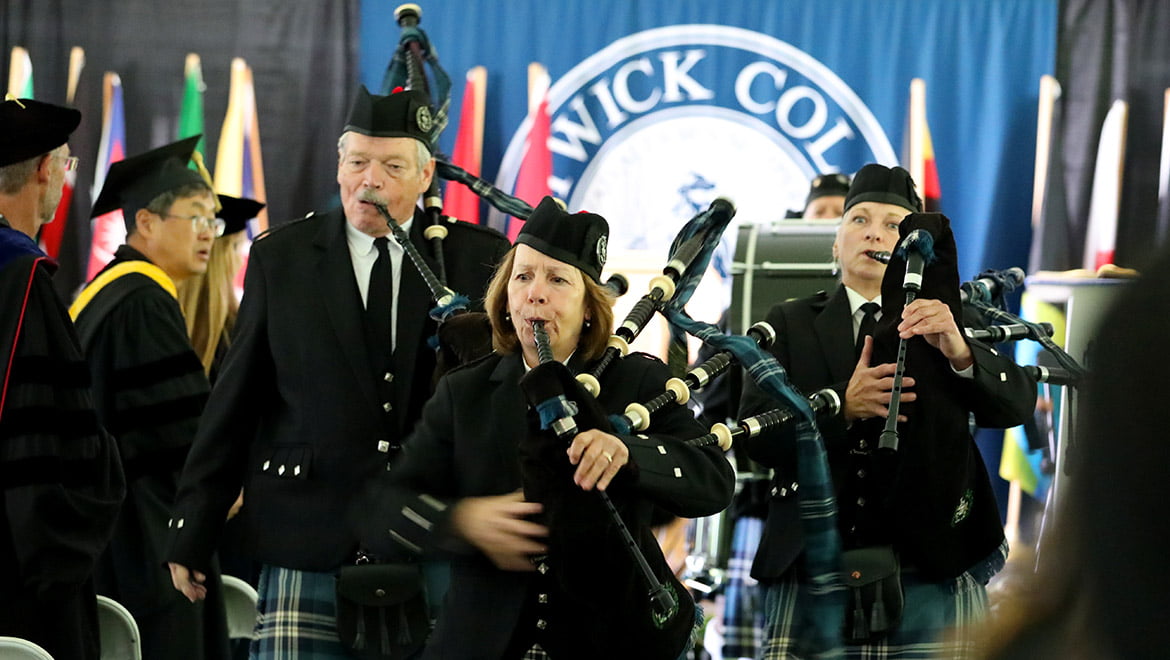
653	127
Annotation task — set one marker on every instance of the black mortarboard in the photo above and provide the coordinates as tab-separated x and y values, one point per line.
826	185
30	128
887	185
404	113
236	212
132	183
578	239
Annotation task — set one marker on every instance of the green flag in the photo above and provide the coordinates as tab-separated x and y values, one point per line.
191	113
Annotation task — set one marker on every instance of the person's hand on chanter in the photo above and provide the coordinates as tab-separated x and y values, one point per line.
868	392
598	457
498	526
933	321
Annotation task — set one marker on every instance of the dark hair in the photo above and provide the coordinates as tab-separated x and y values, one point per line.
163	202
598	302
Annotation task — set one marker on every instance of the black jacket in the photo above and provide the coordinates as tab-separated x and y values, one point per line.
61	482
935	502
297	416
149	390
468	444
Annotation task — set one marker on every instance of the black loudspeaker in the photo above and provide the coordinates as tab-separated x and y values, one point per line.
776	261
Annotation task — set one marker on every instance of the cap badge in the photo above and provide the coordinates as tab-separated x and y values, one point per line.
424	120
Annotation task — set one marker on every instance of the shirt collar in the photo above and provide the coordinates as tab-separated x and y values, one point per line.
528	368
856	300
363	244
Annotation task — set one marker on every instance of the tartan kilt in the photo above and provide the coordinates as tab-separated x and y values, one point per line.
298	616
743	607
937	620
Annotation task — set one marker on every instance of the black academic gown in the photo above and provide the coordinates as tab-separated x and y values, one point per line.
300	417
814	342
61	483
150	389
468	444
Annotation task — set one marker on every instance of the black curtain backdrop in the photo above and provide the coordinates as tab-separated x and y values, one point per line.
303	54
1106	50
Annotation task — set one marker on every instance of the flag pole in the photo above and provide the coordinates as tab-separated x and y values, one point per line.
76	64
1105	200
1049	94
917	165
1163	222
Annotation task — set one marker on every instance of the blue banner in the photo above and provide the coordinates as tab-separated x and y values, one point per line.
658	106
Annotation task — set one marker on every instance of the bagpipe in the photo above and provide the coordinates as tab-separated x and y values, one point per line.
691	251
407	69
985	294
688	259
578	529
689	256
588	526
917	248
461	336
468	336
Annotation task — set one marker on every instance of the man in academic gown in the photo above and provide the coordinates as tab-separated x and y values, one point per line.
150	387
61	482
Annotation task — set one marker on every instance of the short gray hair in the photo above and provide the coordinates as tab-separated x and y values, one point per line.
14	176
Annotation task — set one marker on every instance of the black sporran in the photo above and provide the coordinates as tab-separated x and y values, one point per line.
381	610
875	599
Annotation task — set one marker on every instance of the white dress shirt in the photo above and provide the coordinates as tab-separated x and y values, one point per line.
363	254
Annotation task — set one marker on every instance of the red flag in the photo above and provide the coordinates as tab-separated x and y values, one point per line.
52	233
461	202
920	154
109	231
536	166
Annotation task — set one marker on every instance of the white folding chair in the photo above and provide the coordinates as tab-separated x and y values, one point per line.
119	631
239	598
14	648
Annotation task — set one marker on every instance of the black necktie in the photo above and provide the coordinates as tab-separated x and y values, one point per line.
379	305
868	320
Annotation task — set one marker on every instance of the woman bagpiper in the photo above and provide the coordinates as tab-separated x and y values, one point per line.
539	568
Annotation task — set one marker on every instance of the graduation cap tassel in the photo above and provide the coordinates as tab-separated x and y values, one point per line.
197	158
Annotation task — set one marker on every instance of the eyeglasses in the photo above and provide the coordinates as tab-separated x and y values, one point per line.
71	163
201	223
